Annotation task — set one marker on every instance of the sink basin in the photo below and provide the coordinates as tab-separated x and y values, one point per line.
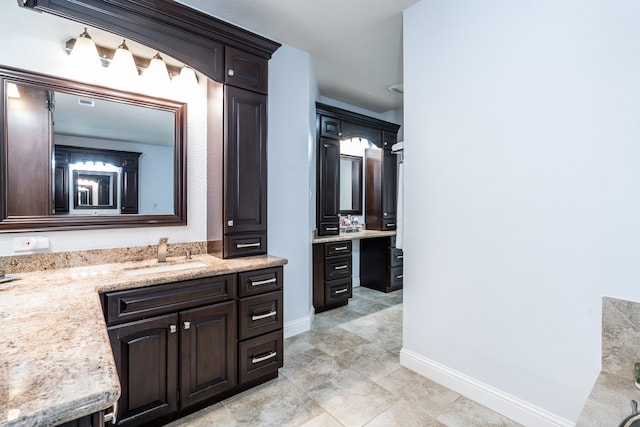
163	268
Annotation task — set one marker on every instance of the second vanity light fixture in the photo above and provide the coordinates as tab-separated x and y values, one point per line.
123	64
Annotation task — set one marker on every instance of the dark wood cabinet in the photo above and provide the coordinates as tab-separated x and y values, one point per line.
332	271
381	189
332	125
381	264
245	70
245	173
328	187
179	346
96	419
146	355
129	186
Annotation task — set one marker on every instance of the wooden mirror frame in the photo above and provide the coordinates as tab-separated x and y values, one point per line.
12	224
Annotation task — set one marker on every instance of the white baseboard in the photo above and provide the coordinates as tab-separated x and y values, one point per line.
494	399
298	326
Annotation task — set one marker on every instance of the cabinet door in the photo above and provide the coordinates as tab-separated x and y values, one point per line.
328	191
389	187
129	190
146	356
28	159
245	70
245	175
208	352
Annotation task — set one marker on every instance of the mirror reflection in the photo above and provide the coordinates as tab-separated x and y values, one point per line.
90	151
352	152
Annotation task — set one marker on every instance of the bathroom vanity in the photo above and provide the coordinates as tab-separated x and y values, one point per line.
380	266
58	364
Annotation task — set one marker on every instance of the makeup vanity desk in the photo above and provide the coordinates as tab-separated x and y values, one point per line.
380	266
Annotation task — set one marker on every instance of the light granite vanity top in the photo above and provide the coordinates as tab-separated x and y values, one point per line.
355	235
56	363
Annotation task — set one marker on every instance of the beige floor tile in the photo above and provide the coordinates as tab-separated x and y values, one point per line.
404	414
322	420
277	403
465	412
428	396
352	399
215	415
370	360
311	368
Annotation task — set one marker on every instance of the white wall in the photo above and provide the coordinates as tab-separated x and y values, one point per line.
43	37
522	192
291	136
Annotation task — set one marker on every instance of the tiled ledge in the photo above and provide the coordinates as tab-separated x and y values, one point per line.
610	399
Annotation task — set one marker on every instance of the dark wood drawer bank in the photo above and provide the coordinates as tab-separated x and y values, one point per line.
181	346
332	271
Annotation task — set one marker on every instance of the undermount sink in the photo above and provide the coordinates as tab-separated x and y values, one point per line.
163	268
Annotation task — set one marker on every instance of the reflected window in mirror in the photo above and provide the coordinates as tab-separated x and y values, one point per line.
52	124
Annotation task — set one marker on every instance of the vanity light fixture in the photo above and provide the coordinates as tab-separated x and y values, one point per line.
12	90
84	53
123	64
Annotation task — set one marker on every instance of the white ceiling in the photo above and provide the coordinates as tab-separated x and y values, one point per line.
355	45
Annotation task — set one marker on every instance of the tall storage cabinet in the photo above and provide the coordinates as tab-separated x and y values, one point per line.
245	155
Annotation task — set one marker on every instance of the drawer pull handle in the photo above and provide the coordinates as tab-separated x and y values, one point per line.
400	256
112	416
331	228
341	267
342	291
263	316
341	248
263	358
263	282
187	325
247	245
391	225
400	276
172	329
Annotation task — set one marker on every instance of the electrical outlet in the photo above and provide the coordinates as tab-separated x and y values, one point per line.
23	244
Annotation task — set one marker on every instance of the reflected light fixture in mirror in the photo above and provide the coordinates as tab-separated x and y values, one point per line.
85	54
12	90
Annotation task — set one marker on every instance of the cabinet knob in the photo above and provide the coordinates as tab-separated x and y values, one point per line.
230	72
230	223
172	329
187	325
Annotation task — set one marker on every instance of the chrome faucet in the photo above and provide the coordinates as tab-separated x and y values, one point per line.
162	249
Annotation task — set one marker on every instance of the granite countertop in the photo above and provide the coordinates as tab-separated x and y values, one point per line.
56	363
354	235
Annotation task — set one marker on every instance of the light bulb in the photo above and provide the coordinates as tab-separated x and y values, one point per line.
157	72
122	65
84	54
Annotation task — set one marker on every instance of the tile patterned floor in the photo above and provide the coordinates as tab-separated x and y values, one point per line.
345	372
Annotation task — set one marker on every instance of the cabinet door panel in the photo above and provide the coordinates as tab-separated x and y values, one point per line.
328	186
208	351
146	356
245	182
245	70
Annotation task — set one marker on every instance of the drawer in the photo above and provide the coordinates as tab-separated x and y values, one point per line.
396	257
259	314
337	248
389	224
259	281
329	229
260	356
245	244
337	267
140	303
337	291
395	278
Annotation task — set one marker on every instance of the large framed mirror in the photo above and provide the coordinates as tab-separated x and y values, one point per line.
81	156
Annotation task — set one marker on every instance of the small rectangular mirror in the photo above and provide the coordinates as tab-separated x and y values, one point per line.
350	185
